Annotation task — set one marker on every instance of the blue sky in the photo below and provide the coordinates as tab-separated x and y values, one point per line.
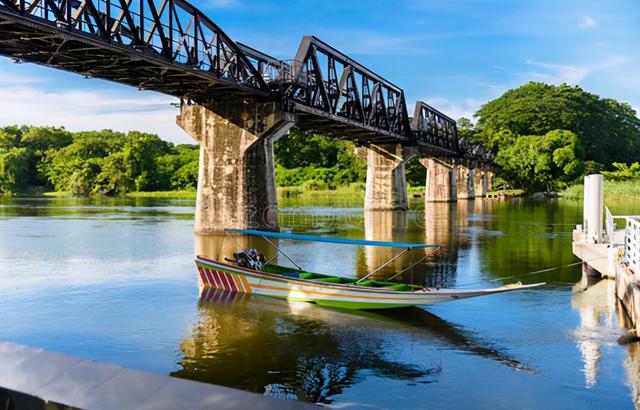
453	54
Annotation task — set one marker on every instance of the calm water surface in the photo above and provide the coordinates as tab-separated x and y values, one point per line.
114	280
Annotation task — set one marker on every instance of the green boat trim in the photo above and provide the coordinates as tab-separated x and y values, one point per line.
287	272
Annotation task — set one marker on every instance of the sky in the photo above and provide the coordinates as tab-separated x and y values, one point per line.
453	54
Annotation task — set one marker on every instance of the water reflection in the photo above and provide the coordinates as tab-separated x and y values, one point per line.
631	362
441	228
221	246
301	351
285	350
389	226
598	326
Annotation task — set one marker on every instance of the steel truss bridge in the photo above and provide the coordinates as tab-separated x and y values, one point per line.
171	47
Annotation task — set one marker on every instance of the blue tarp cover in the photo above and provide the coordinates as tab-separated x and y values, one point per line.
328	239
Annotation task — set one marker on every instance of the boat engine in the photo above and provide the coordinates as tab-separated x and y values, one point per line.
249	258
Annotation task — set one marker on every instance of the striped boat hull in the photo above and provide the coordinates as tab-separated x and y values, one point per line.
217	275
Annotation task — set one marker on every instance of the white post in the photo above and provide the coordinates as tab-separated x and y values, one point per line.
593	207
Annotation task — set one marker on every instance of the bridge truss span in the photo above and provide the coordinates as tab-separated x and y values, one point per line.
163	45
434	132
327	86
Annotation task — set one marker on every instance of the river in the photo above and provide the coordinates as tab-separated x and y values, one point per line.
114	280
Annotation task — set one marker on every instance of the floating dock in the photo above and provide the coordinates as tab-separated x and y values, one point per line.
38	379
608	252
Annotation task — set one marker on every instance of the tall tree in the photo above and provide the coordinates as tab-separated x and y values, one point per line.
541	162
607	130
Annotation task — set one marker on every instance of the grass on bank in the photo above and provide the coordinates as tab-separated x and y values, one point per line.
151	194
506	192
345	196
61	194
162	194
614	191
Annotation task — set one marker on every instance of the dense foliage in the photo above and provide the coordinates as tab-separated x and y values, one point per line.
316	162
92	162
547	136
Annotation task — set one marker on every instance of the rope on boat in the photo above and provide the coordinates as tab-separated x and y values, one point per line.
416	263
532	272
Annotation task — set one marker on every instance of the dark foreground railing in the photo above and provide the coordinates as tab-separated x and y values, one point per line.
37	379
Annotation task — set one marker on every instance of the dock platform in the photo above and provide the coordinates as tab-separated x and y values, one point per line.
616	259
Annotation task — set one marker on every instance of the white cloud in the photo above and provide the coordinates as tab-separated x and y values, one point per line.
455	108
587	23
572	74
80	109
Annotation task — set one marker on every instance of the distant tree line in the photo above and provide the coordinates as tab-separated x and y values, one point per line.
92	162
545	137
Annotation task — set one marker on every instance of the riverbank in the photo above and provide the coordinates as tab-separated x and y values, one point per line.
349	194
152	194
614	191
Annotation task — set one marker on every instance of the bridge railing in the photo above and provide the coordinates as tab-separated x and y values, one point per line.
172	30
632	242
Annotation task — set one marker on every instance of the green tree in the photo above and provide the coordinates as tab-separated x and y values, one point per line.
316	162
14	169
466	129
40	139
541	163
415	172
116	177
607	130
623	172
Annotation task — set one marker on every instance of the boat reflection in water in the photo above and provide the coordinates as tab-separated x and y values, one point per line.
296	350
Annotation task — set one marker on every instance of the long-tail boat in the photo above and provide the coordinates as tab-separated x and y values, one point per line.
250	273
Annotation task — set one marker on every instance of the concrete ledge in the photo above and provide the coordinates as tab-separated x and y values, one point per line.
38	379
596	255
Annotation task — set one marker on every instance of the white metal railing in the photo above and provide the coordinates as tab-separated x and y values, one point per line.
610	226
632	242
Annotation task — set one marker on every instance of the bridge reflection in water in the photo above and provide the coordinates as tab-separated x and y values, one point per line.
301	351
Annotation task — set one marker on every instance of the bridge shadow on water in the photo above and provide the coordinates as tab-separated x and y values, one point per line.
296	350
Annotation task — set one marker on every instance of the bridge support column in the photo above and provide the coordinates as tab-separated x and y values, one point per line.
441	181
236	178
489	179
464	182
479	183
386	187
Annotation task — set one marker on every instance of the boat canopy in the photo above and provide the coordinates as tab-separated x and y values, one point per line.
326	239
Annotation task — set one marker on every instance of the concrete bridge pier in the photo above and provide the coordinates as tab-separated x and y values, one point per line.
489	175
464	182
479	183
441	181
386	187
236	178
